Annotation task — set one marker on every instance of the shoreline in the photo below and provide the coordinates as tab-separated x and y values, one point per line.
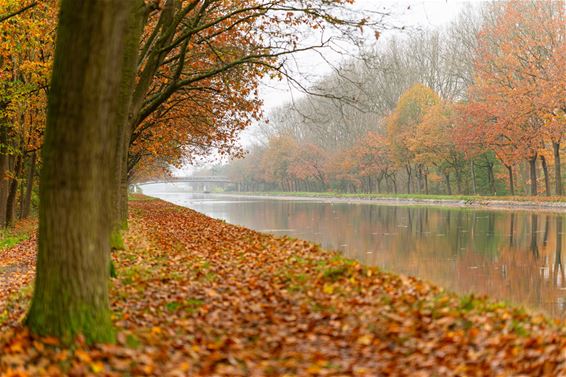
479	203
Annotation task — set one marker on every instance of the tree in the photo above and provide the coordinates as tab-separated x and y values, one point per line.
71	285
520	76
402	123
25	63
207	48
308	165
433	144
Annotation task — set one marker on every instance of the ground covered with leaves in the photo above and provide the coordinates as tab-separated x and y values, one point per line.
196	297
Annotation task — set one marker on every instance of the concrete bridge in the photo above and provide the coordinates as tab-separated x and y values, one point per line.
194	183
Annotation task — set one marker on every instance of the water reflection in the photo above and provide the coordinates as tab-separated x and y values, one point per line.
515	256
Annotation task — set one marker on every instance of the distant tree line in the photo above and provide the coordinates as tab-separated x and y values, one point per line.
477	107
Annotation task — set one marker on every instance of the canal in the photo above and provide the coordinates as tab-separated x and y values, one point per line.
514	256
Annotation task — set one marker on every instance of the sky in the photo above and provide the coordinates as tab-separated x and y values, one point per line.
412	14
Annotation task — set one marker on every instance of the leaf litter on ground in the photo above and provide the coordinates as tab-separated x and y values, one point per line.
196	296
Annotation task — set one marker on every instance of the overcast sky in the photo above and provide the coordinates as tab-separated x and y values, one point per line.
424	14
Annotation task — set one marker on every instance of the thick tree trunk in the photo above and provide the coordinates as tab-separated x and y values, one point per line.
511	183
533	172
546	177
557	169
26	209
124	191
71	284
13	193
120	191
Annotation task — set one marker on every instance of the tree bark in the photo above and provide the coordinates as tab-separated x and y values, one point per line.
120	192
557	169
546	177
533	172
13	193
3	170
71	283
26	209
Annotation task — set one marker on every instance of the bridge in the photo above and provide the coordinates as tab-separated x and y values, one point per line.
194	183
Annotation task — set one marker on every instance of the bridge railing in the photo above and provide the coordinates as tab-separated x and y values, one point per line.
204	179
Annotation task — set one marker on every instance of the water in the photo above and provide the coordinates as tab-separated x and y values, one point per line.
512	256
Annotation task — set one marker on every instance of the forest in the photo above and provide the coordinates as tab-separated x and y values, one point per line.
475	107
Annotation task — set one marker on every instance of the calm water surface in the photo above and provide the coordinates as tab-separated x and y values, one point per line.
513	256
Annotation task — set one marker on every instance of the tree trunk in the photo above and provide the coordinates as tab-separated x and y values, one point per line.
511	183
533	172
13	193
474	184
447	180
491	178
29	187
557	169
3	170
394	181
546	177
75	213
459	180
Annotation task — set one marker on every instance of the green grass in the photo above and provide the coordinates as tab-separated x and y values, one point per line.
467	198
10	237
8	241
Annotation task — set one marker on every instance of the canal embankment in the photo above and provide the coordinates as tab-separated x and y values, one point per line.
548	204
198	296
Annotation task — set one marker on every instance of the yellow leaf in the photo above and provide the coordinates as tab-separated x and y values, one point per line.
97	367
365	339
328	289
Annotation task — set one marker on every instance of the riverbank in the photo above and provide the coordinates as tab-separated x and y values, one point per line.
197	296
549	204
